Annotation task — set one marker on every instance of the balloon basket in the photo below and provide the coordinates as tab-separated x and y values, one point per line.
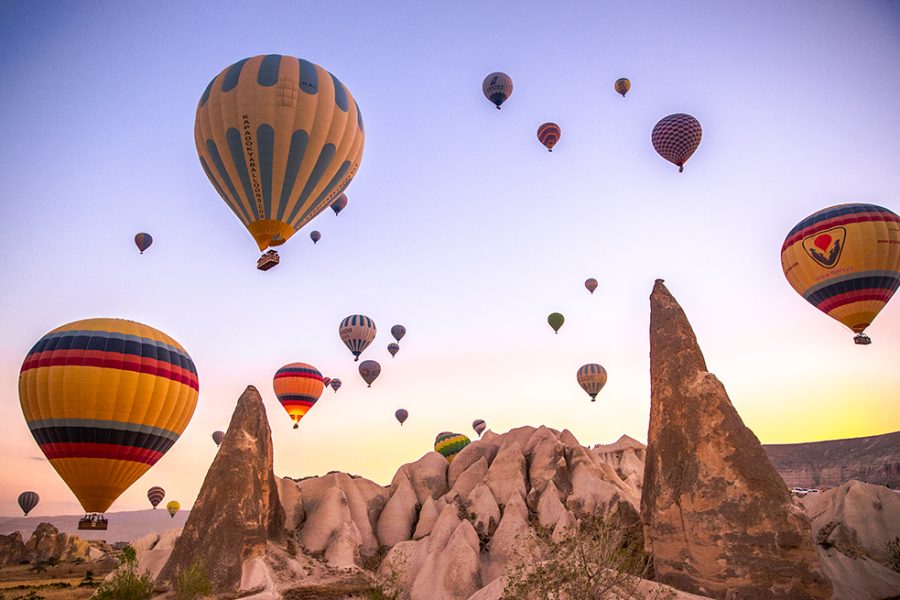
93	522
862	339
268	260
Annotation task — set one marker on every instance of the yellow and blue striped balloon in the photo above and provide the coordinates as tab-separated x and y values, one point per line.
592	378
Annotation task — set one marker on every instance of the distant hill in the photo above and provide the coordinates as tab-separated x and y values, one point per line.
874	459
123	526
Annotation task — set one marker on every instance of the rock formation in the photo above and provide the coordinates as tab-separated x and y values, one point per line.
12	549
238	509
718	519
874	459
46	543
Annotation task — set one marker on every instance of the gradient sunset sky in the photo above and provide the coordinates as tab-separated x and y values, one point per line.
460	225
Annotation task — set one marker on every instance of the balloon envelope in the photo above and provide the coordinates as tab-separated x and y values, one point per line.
105	399
357	332
592	378
590	284
401	415
369	370
449	444
298	387
155	495
497	87
845	261
143	241
315	236
27	501
279	139
556	321
479	426
548	134
622	85
398	331
335	384
340	204
218	436
326	381
676	137
173	507
393	348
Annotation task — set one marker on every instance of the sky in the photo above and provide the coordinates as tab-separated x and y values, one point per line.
460	225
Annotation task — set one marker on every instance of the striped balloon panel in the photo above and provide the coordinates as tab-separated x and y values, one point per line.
548	134
155	495
479	425
497	87
449	445
845	261
105	399
676	137
357	332
623	85
143	241
592	378
27	501
298	386
280	139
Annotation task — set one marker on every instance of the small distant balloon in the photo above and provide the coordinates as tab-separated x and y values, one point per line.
218	436
27	501
676	137
479	426
357	332
590	284
173	507
393	348
155	495
369	370
398	331
623	85
326	381
298	387
315	236
556	321
548	134
340	204
449	444
402	414
592	378
497	87
143	241
335	384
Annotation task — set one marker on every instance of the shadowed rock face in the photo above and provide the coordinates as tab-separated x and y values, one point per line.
718	519
238	508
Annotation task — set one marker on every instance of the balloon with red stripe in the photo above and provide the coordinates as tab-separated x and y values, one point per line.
298	387
548	134
105	399
155	495
676	137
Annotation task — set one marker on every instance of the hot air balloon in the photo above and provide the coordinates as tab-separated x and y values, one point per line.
105	399
155	495
449	444
335	384
845	261
326	381
298	386
315	236
592	378
27	501
393	348
556	321
676	137
340	204
497	88
369	370
479	426
173	507
398	331
622	85
357	332
590	284
401	414
143	241
218	436
548	134
279	139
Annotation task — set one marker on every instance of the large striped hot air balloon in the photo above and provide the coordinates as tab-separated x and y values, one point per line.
369	370
105	399
279	139
173	507
298	386
27	501
622	85
497	87
845	261
449	444
592	378
155	495
548	134
357	332
676	137
143	241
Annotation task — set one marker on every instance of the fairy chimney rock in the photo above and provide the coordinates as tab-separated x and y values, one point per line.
718	519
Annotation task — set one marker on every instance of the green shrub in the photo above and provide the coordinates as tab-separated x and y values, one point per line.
192	583
126	582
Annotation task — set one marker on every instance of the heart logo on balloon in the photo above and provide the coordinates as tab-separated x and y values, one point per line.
825	247
823	241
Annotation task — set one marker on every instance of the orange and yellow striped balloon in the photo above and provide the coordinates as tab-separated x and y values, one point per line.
298	387
845	261
105	399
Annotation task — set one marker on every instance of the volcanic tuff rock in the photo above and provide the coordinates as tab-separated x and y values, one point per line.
12	549
718	519
238	508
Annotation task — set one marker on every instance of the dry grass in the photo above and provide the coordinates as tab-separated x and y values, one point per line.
17	581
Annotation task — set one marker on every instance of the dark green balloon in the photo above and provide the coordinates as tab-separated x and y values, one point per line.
556	321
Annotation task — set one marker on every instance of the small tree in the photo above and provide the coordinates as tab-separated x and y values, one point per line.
192	583
126	582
